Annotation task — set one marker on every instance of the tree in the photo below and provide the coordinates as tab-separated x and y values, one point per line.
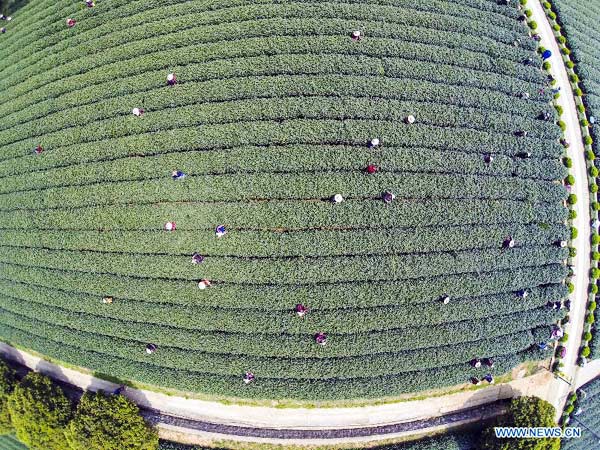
40	411
523	412
8	380
109	423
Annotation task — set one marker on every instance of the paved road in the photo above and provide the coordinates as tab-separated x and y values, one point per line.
559	389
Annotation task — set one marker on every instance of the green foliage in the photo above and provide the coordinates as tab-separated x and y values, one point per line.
572	199
572	214
574	233
569	409
111	422
566	51
578	92
528	12
573	77
593	188
524	412
595	256
584	123
570	64
270	117
546	65
595	238
595	272
593	171
562	125
570	180
589	318
7	383
592	306
572	252
533	25
585	352
589	155
588	141
559	109
40	412
587	336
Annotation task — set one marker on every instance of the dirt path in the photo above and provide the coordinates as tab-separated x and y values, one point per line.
559	389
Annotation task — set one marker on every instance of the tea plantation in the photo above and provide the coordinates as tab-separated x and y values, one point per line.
585	415
193	193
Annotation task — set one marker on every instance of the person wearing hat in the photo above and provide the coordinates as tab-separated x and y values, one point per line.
374	143
475	363
197	258
150	348
203	284
388	197
177	175
321	338
220	231
301	310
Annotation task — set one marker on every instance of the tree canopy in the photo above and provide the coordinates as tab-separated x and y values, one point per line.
524	412
110	422
7	385
40	412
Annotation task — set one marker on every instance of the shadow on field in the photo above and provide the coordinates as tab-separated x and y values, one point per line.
10	6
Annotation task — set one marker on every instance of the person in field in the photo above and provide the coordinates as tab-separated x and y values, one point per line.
177	175
321	338
150	348
301	310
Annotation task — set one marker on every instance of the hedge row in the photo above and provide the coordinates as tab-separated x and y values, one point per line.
357	295
139	321
288	63
286	159
293	243
249	271
99	23
177	31
283	321
286	187
307	367
262	388
589	409
160	112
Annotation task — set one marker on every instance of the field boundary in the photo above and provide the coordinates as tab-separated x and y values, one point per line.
174	415
561	385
